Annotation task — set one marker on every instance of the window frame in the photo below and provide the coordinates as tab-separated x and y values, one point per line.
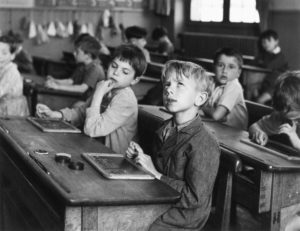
221	27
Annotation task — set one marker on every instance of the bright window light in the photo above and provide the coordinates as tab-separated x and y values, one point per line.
207	11
243	11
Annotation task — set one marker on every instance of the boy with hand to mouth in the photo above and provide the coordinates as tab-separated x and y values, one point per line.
185	154
111	113
227	103
286	115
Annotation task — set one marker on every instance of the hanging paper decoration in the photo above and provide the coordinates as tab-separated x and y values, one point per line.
61	30
32	30
83	29
105	18
90	29
70	28
51	29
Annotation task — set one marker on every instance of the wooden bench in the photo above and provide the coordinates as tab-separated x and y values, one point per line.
150	119
256	111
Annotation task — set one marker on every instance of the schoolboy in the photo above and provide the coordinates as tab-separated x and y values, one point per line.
271	57
165	46
12	100
88	72
112	111
137	35
186	154
227	103
285	117
22	58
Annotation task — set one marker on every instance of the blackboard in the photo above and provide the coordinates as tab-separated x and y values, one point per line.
116	166
52	125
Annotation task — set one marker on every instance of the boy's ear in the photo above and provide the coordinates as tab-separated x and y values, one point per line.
135	81
201	98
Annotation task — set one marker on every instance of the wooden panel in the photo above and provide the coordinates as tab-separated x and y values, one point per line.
31	207
205	45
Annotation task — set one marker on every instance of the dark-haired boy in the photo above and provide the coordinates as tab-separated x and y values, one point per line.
137	36
165	46
88	72
271	57
111	113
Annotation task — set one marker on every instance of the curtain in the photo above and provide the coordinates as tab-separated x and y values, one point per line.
262	7
160	7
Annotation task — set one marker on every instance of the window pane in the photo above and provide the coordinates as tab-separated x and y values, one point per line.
207	11
243	11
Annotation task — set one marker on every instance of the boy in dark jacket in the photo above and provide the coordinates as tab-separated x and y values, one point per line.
186	154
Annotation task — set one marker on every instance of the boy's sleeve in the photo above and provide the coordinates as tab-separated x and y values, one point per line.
93	75
117	113
76	115
230	96
269	123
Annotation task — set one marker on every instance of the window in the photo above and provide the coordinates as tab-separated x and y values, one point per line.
233	11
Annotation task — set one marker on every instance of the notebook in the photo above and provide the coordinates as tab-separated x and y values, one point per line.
116	166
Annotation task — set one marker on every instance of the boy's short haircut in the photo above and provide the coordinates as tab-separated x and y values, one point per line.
135	32
80	37
159	32
267	34
89	45
205	83
10	40
229	52
286	96
134	56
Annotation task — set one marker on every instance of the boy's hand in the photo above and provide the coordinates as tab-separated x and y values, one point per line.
105	86
260	137
44	111
290	131
134	150
51	84
50	78
146	162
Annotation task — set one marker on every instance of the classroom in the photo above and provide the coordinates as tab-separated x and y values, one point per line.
159	115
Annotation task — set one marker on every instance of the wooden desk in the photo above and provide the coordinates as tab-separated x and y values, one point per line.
67	199
36	92
277	197
277	194
45	65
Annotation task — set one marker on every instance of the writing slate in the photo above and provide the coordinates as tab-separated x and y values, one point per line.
277	148
53	125
116	166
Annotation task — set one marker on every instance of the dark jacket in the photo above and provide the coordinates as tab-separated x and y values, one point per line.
189	162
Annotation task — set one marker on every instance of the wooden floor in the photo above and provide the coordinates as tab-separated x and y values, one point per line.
245	222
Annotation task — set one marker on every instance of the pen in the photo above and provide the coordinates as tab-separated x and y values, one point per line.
39	164
65	188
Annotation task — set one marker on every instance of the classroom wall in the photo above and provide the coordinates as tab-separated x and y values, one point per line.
285	19
11	19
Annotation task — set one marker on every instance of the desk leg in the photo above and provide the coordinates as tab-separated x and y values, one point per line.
110	218
276	202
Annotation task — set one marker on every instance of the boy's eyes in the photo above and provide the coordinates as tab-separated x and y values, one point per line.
230	66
